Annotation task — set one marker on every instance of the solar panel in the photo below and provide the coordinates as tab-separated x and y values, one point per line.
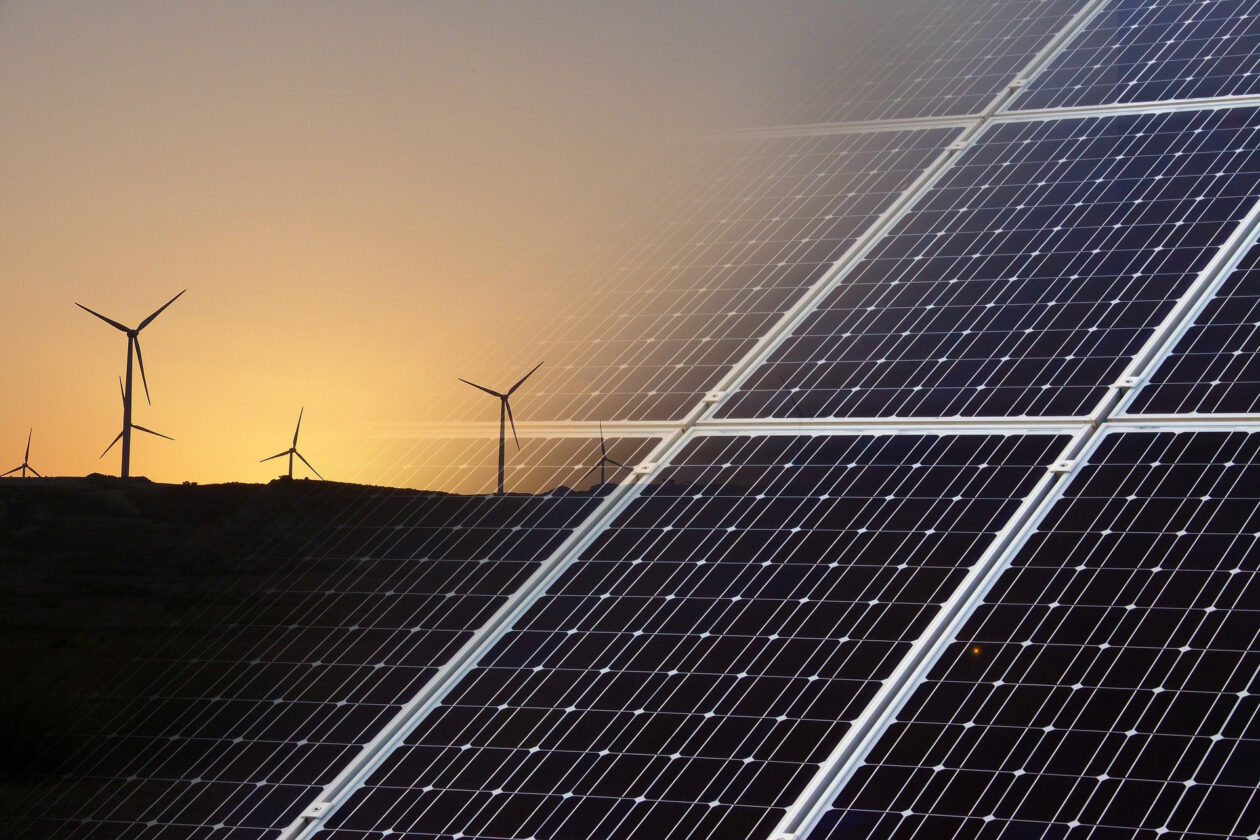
1107	686
1215	366
917	58
338	616
688	670
645	328
1151	51
1024	281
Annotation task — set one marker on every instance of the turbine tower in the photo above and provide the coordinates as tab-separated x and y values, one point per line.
292	450
25	465
127	424
604	460
505	415
133	348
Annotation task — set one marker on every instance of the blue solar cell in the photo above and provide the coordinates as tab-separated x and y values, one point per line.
1215	366
1107	686
1024	282
689	670
1155	50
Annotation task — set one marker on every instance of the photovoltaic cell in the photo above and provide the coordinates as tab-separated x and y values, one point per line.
1155	50
648	325
685	675
918	58
346	606
1025	280
1215	367
1107	686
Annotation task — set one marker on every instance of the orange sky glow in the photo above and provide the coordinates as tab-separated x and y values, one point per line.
353	194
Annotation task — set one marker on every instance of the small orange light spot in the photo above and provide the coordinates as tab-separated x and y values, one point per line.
975	650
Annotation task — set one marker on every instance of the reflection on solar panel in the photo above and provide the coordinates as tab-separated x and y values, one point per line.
687	671
1215	367
642	333
1107	686
1026	279
337	620
920	58
1155	50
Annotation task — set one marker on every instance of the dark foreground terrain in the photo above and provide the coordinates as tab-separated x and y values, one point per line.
104	582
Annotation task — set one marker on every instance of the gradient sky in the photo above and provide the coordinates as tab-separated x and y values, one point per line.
349	191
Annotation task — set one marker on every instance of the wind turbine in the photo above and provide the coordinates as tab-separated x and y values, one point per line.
133	348
292	450
505	415
125	435
25	465
603	459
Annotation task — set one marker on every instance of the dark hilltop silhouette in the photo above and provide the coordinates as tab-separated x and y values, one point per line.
117	592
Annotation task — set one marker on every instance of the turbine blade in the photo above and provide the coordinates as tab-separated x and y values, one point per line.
27	456
298	428
482	388
603	450
12	471
111	445
109	321
146	321
143	381
616	463
122	392
512	390
508	406
277	455
150	431
308	465
588	472
32	469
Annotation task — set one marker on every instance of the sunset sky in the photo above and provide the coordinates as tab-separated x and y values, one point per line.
352	193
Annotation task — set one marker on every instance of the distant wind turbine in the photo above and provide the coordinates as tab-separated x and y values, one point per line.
505	415
292	450
133	348
25	465
124	435
603	459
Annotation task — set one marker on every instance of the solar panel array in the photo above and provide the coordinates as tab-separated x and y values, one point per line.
1153	51
942	539
1026	279
1107	686
687	671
